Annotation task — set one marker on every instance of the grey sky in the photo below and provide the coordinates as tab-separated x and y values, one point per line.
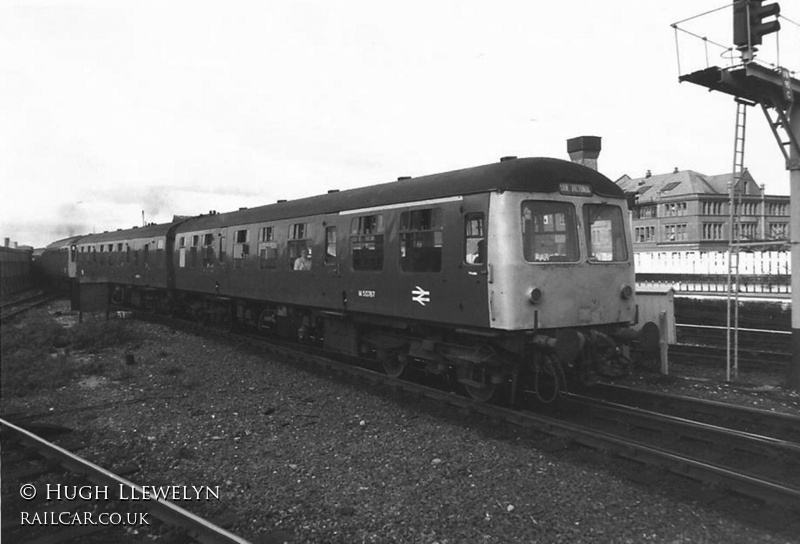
111	108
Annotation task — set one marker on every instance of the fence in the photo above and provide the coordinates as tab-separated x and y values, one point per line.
760	272
754	263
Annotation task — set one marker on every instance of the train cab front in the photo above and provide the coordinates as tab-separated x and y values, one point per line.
562	271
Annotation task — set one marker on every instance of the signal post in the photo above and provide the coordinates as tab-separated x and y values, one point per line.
778	94
794	241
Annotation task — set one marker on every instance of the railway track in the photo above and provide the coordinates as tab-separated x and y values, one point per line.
16	307
752	420
750	464
51	495
662	443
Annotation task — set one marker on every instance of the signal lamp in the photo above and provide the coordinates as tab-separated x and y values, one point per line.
749	26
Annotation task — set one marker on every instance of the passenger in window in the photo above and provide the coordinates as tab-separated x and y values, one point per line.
479	255
303	262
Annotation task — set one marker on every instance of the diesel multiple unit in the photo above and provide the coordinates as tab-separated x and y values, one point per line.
487	274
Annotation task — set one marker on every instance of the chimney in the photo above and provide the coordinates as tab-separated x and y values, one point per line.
584	150
6	242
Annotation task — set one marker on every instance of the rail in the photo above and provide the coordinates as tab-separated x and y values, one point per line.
200	529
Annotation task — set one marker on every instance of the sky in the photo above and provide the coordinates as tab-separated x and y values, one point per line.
114	113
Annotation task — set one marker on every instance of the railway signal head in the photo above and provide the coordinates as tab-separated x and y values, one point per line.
749	26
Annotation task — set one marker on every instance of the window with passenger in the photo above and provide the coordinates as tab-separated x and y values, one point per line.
299	246
366	242
330	246
474	239
421	240
549	232
605	233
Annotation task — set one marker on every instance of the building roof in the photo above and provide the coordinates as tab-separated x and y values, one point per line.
658	187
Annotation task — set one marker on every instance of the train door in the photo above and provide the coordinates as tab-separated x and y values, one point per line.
474	267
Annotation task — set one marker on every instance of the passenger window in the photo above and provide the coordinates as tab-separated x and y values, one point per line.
222	249
267	248
474	239
330	246
193	251
208	250
160	251
241	249
366	242
549	232
421	240
299	247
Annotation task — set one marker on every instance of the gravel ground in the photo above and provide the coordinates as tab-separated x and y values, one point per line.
303	457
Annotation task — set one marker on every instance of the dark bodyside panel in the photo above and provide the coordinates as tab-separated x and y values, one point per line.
456	294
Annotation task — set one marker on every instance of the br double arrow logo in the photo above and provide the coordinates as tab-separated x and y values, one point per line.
420	295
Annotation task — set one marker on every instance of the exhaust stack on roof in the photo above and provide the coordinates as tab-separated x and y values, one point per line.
584	150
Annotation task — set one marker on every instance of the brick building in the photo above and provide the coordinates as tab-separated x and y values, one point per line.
687	210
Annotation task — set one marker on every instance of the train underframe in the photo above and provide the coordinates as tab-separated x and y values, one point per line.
486	363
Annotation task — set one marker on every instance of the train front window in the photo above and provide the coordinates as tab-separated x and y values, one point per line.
605	233
549	232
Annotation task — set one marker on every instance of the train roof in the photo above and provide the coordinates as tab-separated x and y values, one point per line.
134	233
64	242
528	174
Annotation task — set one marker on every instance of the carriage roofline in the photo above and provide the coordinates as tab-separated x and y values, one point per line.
64	242
528	175
149	231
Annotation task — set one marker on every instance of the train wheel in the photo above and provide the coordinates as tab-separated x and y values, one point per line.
393	365
394	368
481	393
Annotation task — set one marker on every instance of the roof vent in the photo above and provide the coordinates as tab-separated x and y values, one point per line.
282	200
649	173
243	209
675	171
331	191
507	158
403	178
